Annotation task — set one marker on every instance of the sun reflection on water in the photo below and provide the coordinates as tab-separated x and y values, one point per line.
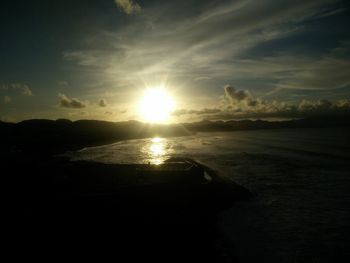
156	151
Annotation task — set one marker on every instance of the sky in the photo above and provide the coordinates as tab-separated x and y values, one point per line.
218	59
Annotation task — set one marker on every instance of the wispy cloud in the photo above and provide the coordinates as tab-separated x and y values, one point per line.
26	91
207	44
67	102
128	6
19	87
198	49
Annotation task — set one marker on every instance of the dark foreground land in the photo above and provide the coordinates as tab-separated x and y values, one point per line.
54	208
83	210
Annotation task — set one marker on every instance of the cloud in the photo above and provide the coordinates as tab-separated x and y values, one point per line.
23	88
254	42
234	95
128	6
26	91
180	112
241	104
7	99
239	100
100	59
201	78
67	102
324	107
102	103
330	71
331	12
204	111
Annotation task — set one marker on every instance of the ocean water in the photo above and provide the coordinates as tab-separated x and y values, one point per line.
299	177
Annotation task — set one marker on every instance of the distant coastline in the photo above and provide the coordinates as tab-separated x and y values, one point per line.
49	137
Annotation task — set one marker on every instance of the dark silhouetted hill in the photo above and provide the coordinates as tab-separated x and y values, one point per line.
51	137
236	125
48	136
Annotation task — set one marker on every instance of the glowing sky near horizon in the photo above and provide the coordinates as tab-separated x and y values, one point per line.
218	59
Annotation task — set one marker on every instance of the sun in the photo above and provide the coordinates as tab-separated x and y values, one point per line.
156	105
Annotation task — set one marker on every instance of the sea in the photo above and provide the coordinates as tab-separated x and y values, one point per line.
300	180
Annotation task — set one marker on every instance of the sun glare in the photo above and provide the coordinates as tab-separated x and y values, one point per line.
156	106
